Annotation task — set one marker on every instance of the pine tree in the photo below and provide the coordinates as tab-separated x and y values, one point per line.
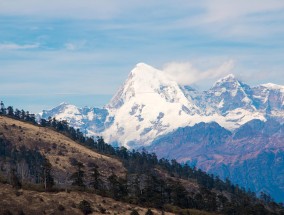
2	108
118	187
46	175
95	177
15	182
23	115
17	113
78	176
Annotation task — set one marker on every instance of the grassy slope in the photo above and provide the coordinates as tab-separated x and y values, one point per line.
57	148
32	202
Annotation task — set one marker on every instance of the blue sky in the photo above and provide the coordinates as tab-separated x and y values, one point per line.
82	51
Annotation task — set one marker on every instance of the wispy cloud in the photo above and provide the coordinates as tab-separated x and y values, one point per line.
227	11
75	45
70	46
185	73
91	45
85	9
235	19
14	46
221	18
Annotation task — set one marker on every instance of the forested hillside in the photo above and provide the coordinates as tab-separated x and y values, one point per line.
50	156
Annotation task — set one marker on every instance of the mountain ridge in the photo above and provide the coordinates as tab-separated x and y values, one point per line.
252	155
150	104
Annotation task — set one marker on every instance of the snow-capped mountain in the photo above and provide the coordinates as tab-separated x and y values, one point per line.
229	94
270	98
147	105
150	104
231	128
89	120
229	102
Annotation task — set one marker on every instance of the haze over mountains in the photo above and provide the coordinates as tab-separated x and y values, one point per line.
232	130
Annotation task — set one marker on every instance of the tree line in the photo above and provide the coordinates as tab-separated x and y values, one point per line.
24	166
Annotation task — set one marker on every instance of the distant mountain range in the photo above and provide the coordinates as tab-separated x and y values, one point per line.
230	128
251	156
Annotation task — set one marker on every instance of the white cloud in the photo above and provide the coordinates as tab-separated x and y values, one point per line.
243	18
185	73
84	9
220	17
232	19
226	11
14	46
72	46
210	11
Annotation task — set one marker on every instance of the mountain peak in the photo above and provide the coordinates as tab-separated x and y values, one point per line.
227	78
273	86
142	64
146	83
230	76
142	69
63	104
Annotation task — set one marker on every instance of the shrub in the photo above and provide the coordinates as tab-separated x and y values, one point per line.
73	161
149	212
60	153
7	212
61	207
85	207
134	212
21	212
102	209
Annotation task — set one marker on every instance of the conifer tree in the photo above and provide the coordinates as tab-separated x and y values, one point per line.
46	175
2	108
10	111
95	177
78	176
15	180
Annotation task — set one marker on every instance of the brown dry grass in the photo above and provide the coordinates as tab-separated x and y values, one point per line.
56	147
32	202
189	185
59	149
